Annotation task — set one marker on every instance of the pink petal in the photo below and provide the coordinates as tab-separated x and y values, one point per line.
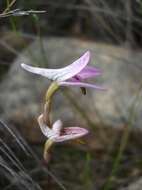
71	70
70	133
88	72
61	74
81	84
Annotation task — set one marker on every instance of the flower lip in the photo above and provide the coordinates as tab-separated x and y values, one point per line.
70	133
73	131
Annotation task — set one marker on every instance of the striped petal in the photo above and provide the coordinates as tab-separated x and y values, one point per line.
61	74
88	72
81	84
70	133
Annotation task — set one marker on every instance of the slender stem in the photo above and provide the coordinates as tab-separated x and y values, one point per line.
46	113
47	146
47	107
51	91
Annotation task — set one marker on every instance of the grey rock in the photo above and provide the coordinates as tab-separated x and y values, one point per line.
22	93
137	185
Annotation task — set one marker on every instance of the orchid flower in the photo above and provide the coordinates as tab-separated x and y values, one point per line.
71	75
59	134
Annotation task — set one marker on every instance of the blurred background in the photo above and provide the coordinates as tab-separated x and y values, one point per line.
50	33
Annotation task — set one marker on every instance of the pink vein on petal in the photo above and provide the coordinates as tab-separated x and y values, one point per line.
89	72
70	133
74	68
82	84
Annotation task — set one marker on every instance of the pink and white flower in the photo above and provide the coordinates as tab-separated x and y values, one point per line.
71	75
59	134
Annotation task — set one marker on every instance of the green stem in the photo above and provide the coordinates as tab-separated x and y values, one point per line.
47	107
51	91
47	146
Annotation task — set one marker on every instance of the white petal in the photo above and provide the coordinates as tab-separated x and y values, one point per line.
61	74
44	128
49	73
57	126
